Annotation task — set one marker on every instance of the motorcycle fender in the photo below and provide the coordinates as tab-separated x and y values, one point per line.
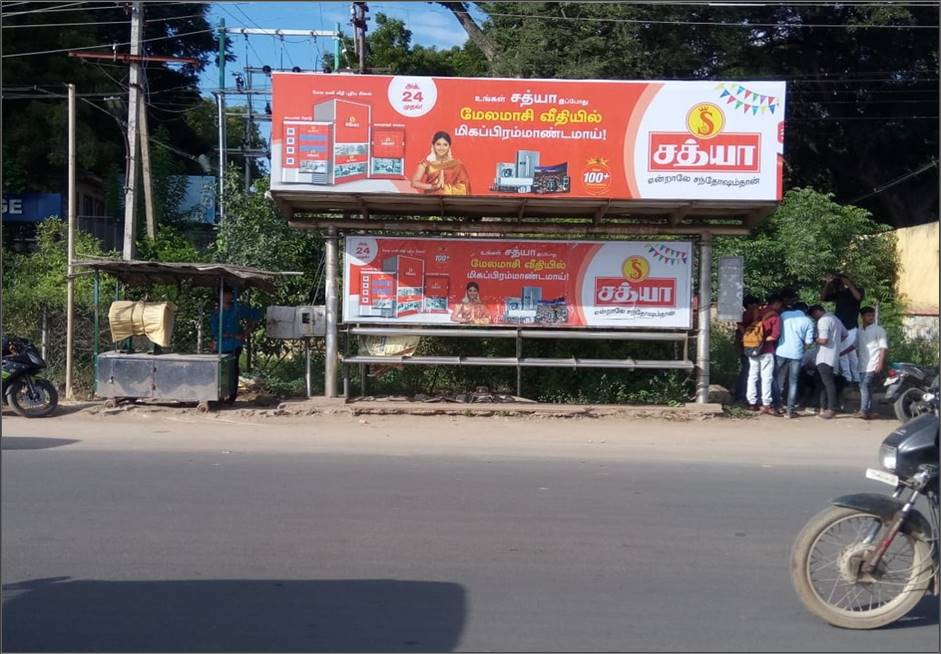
886	507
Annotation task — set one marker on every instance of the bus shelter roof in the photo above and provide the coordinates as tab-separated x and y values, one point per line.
511	215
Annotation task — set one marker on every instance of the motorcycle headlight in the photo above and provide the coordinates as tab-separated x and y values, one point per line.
887	456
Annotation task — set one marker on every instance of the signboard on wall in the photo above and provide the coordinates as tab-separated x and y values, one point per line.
610	284
731	271
32	207
527	138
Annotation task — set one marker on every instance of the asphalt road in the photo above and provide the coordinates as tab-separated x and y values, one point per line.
147	535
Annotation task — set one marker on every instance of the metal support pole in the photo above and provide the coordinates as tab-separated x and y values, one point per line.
519	368
44	335
330	362
221	300
307	369
70	281
96	297
705	305
336	50
220	105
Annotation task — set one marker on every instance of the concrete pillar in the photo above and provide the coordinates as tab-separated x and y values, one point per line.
705	323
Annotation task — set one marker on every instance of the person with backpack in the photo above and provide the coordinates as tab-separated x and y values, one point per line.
750	306
759	342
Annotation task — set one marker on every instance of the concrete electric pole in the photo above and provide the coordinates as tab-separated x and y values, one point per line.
133	111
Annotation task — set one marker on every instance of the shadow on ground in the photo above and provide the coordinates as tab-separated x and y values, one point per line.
343	615
924	613
33	442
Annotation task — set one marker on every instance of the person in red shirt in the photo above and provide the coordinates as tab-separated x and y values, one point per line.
761	365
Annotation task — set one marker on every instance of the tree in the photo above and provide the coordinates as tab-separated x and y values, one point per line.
389	50
860	115
38	144
811	236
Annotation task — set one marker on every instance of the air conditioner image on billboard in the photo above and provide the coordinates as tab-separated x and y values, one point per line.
525	175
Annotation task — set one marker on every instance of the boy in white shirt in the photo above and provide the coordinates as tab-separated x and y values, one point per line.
872	346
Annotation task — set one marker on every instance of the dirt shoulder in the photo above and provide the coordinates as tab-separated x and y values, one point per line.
768	441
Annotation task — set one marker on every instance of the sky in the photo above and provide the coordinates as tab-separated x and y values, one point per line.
430	24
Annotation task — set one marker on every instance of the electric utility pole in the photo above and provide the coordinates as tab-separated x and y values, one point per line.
358	19
133	111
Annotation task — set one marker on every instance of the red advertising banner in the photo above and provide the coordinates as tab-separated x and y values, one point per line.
533	283
511	137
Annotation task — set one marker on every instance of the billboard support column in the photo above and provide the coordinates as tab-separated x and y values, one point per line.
330	281
704	319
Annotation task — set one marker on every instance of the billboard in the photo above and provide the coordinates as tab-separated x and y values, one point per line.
527	138
481	282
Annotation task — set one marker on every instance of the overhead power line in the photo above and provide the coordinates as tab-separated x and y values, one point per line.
749	25
104	45
898	180
105	22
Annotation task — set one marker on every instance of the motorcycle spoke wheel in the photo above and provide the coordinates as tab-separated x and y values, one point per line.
825	569
37	404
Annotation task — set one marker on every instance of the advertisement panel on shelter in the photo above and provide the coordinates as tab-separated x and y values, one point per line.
527	138
613	284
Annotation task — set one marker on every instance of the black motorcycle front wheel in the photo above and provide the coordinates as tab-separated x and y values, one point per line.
905	405
37	404
826	562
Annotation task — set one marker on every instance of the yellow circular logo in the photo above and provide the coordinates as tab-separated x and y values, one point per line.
705	120
635	269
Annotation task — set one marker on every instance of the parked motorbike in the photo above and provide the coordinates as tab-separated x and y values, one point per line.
868	559
27	394
911	389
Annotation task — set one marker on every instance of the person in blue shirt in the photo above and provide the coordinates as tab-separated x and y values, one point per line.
234	315
797	332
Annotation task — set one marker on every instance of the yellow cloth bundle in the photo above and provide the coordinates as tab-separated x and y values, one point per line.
151	319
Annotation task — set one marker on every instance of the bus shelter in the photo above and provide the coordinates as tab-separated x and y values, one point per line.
567	209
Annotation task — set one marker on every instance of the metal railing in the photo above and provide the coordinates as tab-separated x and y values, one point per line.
519	361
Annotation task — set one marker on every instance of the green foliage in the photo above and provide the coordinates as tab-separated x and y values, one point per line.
34	293
390	50
38	144
810	236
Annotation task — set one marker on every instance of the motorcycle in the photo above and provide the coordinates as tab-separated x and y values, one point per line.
27	394
868	559
911	388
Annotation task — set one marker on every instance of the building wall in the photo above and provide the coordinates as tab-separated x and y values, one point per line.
918	274
918	279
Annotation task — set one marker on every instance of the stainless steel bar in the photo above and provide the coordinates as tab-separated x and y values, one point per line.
581	334
330	281
526	362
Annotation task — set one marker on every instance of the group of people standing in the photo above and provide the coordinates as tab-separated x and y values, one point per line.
791	352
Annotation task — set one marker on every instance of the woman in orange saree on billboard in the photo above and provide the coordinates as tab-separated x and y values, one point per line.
440	173
471	310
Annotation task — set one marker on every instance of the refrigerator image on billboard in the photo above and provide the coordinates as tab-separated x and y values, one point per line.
409	275
342	141
387	160
306	152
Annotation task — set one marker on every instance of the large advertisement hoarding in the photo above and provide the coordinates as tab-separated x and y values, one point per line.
527	138
613	284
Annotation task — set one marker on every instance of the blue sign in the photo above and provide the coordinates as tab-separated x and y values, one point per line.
198	203
31	207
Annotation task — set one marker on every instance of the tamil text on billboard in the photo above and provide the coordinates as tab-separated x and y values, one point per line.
518	283
527	138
